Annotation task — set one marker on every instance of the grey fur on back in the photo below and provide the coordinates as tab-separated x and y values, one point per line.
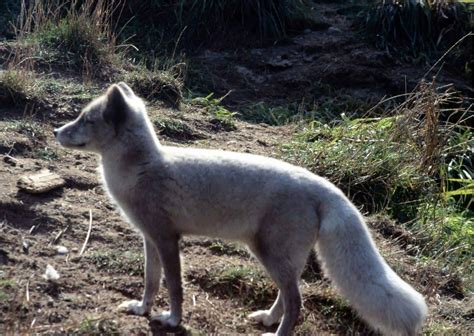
280	211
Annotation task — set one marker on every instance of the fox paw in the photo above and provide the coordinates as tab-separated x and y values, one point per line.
133	307
264	317
167	319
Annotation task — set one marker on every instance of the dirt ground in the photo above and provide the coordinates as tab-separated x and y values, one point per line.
222	282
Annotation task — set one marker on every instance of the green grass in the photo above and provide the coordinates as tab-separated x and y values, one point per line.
363	157
19	87
73	42
5	287
26	126
263	113
73	35
221	248
220	116
450	232
128	262
97	326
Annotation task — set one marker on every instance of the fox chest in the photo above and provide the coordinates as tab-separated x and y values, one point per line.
120	187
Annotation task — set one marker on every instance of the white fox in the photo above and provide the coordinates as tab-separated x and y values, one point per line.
278	210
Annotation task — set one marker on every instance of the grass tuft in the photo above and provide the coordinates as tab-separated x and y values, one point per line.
18	88
176	129
165	85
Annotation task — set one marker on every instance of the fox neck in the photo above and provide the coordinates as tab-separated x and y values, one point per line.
130	149
125	160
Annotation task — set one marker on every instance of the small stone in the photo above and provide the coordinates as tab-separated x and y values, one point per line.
50	273
25	246
62	249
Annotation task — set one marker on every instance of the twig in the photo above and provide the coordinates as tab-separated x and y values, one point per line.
59	235
447	52
28	291
88	234
11	157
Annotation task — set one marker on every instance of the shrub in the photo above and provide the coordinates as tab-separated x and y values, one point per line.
414	28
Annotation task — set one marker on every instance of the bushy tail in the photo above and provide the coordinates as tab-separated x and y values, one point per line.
351	260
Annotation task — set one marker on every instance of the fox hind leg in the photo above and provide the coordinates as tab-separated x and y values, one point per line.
284	268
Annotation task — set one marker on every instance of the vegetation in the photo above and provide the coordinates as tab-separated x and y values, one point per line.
413	162
246	283
158	84
423	30
220	116
130	263
191	24
76	34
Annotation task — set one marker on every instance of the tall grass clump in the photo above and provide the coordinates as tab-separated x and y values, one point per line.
71	34
194	23
415	162
419	28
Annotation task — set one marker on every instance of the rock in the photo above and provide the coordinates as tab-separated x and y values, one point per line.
50	273
334	31
249	74
279	62
25	246
41	182
62	249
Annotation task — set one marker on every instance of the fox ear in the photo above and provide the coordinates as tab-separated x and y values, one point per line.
126	89
116	106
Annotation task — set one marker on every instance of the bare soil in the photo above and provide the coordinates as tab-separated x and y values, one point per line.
84	299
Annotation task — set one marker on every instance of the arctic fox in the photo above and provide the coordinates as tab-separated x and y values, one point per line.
278	210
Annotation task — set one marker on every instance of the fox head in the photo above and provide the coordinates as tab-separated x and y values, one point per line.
104	120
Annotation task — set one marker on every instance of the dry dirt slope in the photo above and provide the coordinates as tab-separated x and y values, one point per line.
222	282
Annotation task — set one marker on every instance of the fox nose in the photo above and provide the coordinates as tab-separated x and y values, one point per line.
55	132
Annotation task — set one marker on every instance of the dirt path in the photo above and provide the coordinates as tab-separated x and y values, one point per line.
332	68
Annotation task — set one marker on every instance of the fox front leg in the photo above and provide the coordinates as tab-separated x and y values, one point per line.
152	283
